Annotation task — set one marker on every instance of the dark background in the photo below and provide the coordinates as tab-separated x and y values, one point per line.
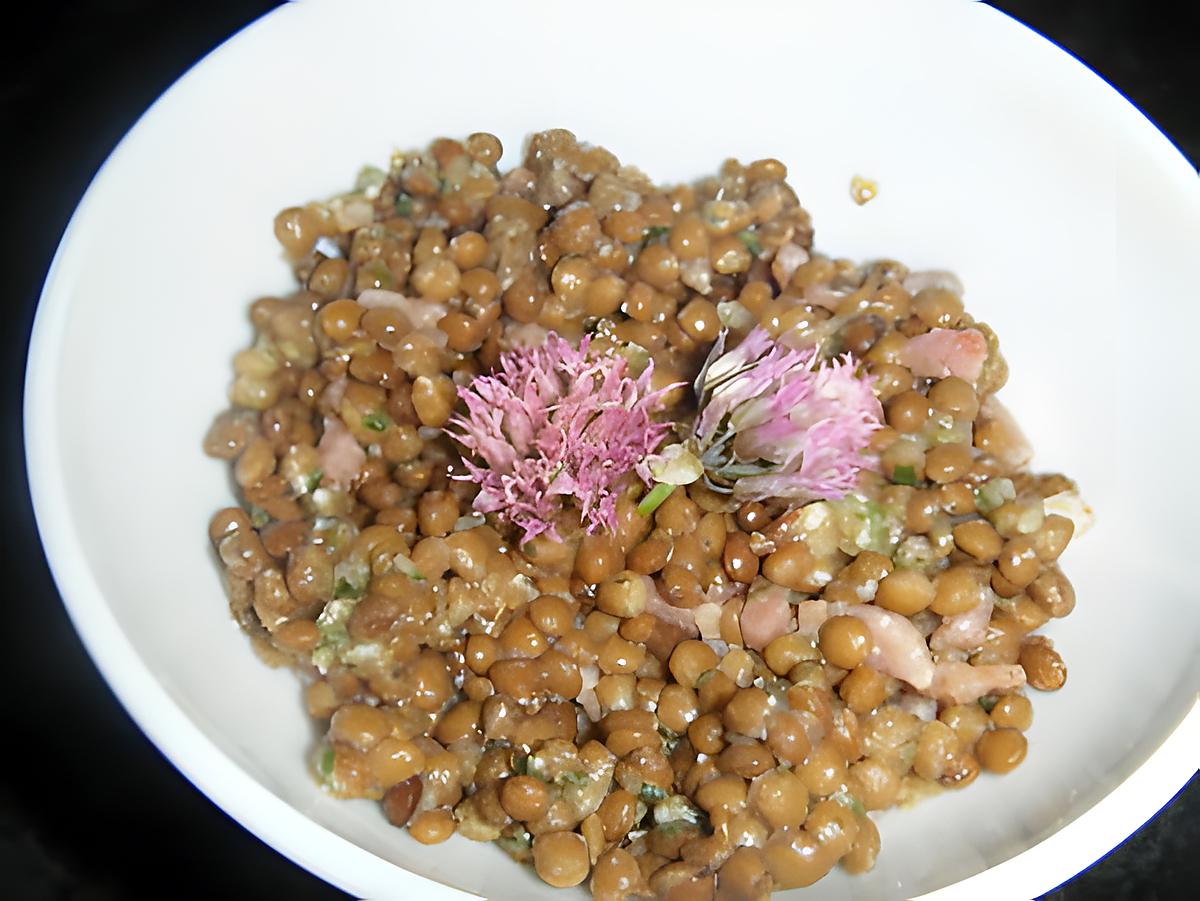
88	808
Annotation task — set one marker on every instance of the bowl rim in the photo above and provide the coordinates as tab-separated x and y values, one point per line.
1038	869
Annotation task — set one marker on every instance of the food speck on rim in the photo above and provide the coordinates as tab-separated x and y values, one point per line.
863	190
615	524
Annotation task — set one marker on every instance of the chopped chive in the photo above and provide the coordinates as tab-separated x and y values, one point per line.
376	422
848	800
750	239
312	480
516	844
655	498
575	778
904	475
403	205
987	702
652	794
326	764
653	233
670	741
381	276
344	590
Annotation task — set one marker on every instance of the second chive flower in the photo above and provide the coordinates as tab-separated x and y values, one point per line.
774	422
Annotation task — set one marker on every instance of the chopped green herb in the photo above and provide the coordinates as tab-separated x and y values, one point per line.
993	493
655	498
848	800
734	315
404	205
652	794
535	766
332	626
403	564
575	778
987	702
670	744
750	239
326	763
677	808
914	552
259	517
515	844
904	475
380	275
865	525
324	656
653	233
344	589
944	429
520	764
376	422
636	355
313	480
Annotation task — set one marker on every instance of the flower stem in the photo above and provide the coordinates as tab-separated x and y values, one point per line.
652	501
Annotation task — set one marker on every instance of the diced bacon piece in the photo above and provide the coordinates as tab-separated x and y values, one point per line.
676	616
766	616
675	623
945	351
340	454
966	631
955	682
788	259
811	615
334	392
900	650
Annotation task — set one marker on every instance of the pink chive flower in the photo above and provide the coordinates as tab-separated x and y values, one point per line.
556	425
776	422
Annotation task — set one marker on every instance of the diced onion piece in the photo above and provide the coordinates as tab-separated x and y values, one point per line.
1071	504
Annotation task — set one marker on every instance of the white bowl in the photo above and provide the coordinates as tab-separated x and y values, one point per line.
1071	220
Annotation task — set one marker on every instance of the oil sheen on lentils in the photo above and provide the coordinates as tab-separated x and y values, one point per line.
615	524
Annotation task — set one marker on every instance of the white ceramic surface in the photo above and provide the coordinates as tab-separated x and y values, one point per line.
1072	221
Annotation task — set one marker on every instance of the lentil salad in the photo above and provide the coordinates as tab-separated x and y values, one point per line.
785	569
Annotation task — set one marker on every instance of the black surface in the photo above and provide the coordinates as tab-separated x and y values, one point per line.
88	808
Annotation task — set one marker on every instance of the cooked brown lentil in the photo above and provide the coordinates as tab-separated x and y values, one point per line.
578	701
